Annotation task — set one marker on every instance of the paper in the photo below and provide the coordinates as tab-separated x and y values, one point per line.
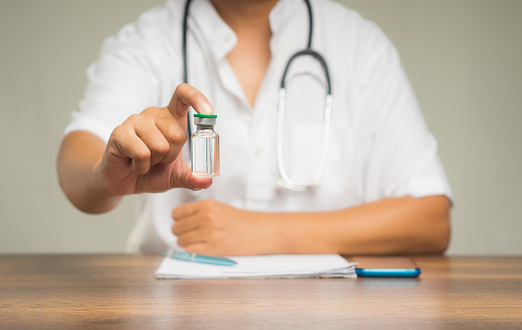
279	265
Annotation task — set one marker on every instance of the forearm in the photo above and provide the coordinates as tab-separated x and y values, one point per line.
78	157
391	226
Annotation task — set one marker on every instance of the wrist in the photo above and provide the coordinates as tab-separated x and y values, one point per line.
299	233
101	195
270	232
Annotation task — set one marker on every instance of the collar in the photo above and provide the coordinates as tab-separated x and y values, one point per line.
219	37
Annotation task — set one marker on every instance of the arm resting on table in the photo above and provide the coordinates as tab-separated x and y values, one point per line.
391	226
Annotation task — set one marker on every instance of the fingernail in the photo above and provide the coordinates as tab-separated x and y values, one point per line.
205	108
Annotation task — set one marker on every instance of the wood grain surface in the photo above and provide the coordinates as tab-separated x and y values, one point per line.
120	291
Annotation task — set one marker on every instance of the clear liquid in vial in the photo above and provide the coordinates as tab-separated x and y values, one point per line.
205	153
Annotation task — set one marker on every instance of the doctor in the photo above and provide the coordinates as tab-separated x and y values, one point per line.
383	190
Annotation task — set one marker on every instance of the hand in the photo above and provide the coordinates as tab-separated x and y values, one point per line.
144	153
212	228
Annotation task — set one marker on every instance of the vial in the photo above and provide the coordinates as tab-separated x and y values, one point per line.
205	147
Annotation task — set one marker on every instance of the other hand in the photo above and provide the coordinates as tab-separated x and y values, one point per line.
213	228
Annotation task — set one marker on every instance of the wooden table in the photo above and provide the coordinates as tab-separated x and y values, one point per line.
120	291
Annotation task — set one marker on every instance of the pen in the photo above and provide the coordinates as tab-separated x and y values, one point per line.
193	257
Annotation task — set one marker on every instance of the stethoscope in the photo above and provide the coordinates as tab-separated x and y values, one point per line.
286	181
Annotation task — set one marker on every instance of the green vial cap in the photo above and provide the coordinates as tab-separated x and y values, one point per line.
199	115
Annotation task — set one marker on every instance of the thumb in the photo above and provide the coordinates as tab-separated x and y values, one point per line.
186	96
181	177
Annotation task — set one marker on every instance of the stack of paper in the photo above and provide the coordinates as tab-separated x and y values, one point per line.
281	265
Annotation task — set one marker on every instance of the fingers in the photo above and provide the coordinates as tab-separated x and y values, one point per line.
192	222
150	138
185	224
174	134
188	228
195	183
191	237
156	136
158	144
186	210
128	145
187	96
163	132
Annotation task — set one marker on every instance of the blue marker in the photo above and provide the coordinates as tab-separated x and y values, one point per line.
193	257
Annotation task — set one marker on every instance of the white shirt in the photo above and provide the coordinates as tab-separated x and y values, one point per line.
379	145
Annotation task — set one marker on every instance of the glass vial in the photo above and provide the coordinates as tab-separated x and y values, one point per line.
205	147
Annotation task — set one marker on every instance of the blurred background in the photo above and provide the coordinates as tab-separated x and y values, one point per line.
464	59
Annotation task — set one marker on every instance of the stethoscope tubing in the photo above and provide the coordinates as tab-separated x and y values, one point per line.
287	182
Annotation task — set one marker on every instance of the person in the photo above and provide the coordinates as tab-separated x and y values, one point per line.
383	190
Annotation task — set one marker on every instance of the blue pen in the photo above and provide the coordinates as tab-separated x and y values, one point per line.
193	257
